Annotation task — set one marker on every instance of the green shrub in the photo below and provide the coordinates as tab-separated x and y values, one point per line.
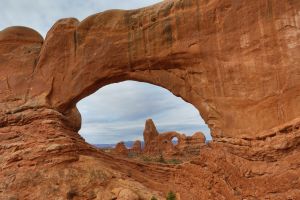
132	155
161	159
71	194
174	161
153	198
146	159
171	196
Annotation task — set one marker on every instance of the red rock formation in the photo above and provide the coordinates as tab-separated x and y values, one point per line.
237	62
121	149
150	133
136	147
198	138
161	143
193	144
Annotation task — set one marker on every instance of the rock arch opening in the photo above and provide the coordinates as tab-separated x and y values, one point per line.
174	140
118	112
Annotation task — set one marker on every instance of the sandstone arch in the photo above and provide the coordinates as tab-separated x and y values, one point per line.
242	78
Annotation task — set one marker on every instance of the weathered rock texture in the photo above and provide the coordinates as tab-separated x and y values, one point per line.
237	62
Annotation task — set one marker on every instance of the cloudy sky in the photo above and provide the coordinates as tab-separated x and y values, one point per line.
117	111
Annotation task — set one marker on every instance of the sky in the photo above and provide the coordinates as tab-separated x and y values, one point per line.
118	111
42	14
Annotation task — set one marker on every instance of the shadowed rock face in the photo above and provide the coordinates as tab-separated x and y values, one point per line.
237	62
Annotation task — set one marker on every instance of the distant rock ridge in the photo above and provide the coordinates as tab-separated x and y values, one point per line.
156	143
128	144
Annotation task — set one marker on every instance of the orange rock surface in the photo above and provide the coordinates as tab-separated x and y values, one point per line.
237	62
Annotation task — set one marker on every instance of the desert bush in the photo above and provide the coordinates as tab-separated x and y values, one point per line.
129	173
174	161
146	159
71	194
153	198
132	155
171	196
161	159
